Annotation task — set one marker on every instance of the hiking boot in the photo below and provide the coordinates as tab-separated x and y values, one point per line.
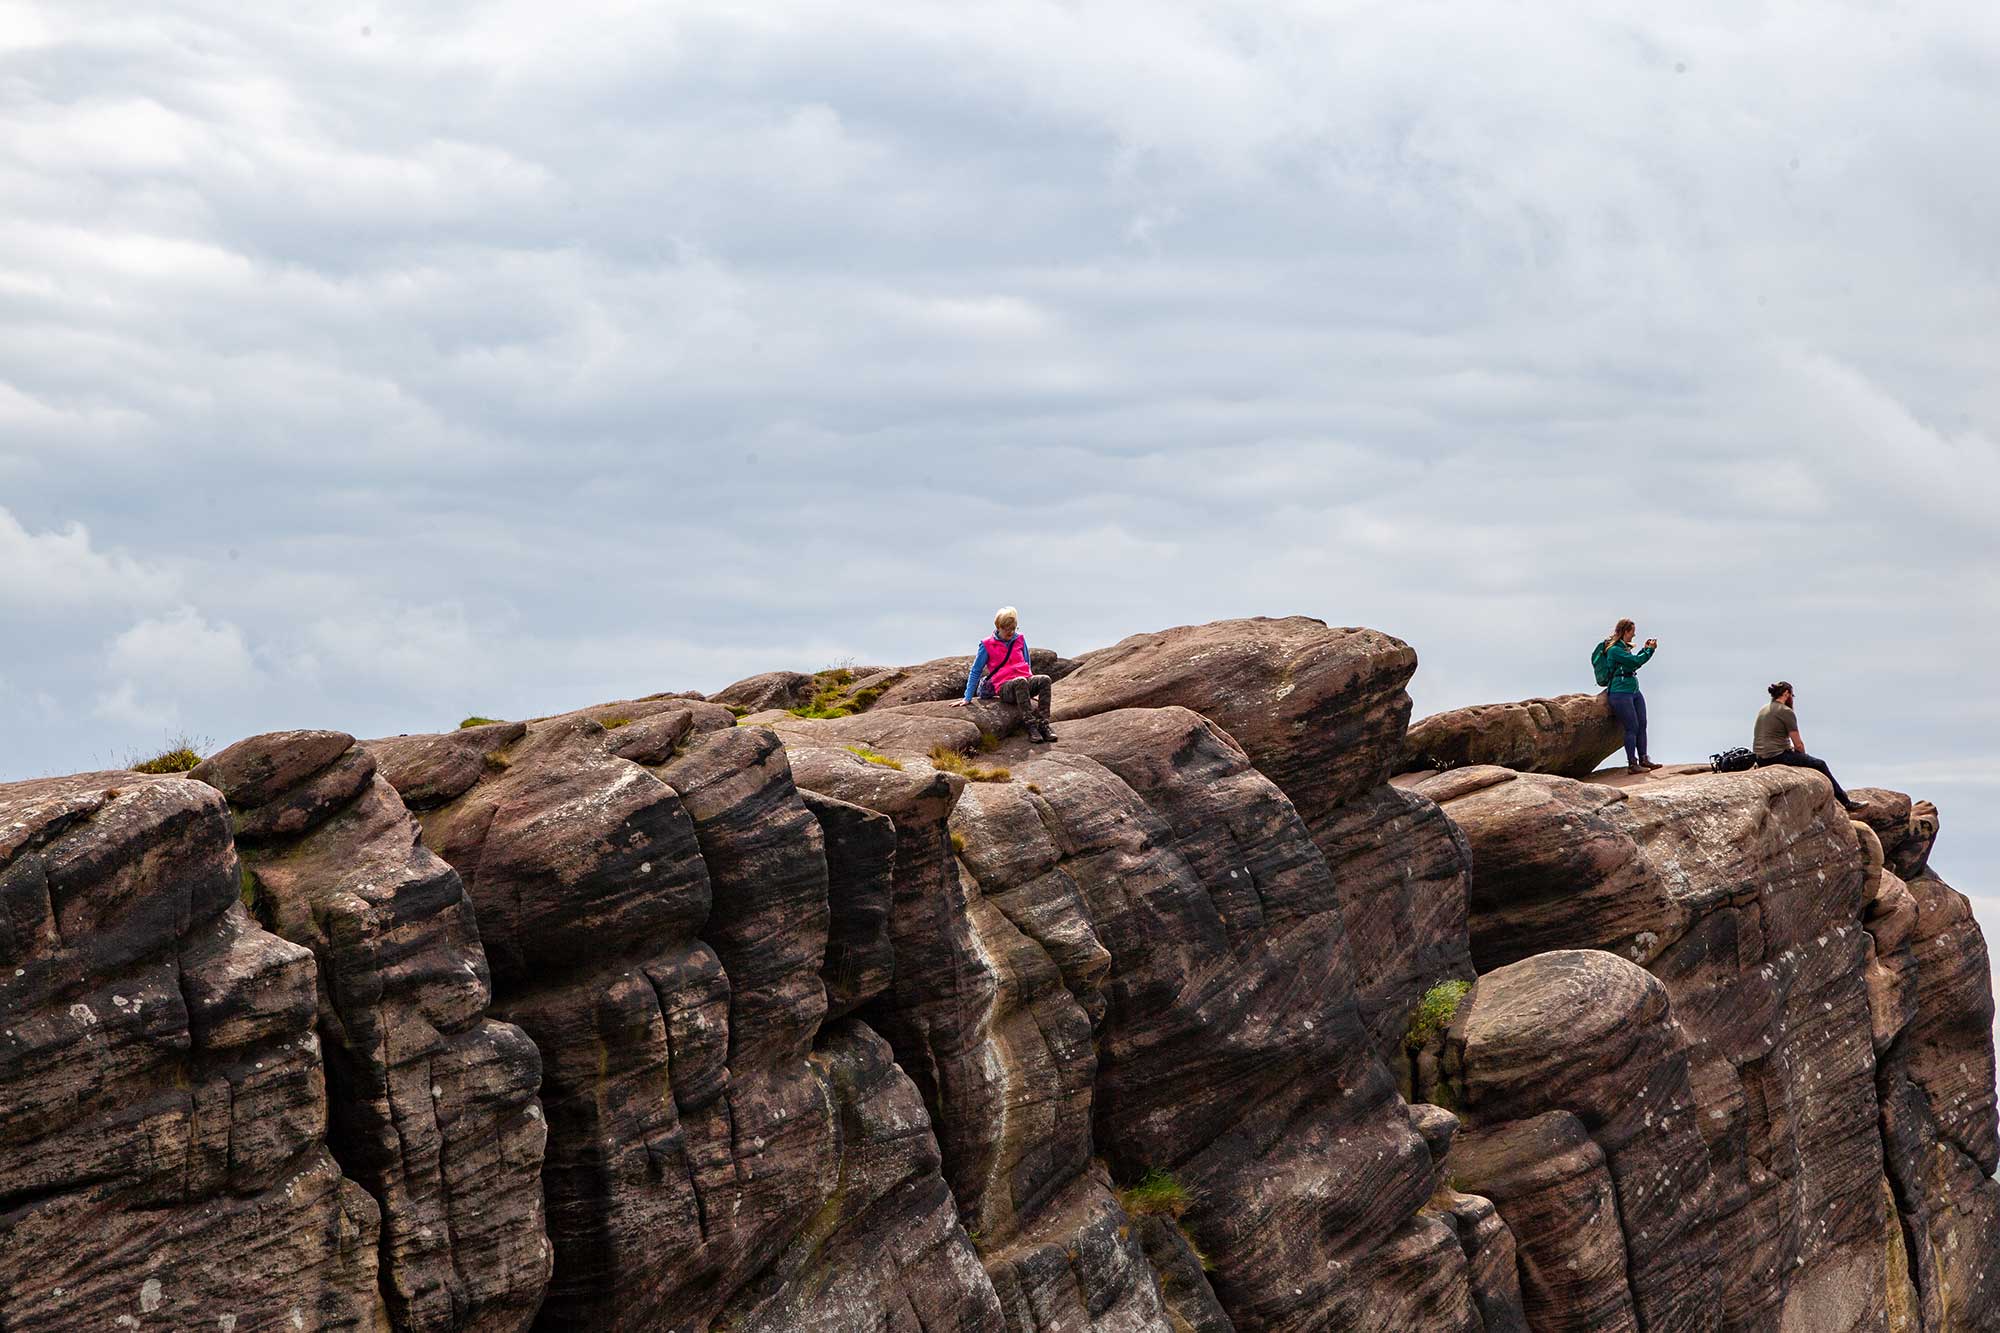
1852	805
1647	763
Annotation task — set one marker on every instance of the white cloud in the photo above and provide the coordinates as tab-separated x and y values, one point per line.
183	653
62	569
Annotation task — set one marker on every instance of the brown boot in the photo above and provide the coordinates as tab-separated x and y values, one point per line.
1644	762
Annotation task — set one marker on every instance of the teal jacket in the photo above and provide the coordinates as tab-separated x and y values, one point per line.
1625	666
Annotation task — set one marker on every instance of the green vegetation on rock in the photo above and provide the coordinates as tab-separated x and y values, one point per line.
872	757
830	697
1434	1012
182	753
947	760
477	721
1157	1194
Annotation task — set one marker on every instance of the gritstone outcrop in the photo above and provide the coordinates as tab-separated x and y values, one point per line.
825	1003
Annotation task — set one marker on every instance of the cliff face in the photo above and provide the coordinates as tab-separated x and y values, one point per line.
1244	1005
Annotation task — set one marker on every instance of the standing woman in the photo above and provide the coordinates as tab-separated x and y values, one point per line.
1623	692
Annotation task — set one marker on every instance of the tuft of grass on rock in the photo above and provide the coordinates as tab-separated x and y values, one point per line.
957	843
988	742
872	757
1434	1012
182	753
826	702
1157	1194
830	697
1200	1255
613	723
947	760
477	721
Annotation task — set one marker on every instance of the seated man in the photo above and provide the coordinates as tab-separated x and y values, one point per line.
1776	740
1001	669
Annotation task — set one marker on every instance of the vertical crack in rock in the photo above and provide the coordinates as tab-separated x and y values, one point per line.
996	991
162	1109
432	1104
717	1154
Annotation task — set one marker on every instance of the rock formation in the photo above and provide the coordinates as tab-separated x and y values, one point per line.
824	1003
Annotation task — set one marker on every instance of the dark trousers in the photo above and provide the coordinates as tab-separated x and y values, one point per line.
1021	689
1631	710
1795	759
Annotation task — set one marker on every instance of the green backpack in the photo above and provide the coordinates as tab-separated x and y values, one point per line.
1600	663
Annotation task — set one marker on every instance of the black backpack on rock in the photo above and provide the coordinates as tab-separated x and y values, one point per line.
1732	761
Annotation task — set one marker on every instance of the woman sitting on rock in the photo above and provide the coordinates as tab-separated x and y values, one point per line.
1623	691
1001	669
1775	740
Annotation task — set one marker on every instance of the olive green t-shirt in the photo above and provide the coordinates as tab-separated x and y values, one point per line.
1775	724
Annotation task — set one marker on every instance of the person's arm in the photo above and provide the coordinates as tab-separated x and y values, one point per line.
978	670
1793	738
1621	656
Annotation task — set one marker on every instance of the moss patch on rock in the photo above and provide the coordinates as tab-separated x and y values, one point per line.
873	757
1434	1012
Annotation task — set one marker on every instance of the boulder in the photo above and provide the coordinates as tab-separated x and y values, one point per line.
1590	1034
162	1106
1568	735
1319	711
767	690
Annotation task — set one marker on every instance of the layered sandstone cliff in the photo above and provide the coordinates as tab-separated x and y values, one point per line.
824	1004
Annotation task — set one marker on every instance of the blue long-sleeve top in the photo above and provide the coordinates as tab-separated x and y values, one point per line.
979	662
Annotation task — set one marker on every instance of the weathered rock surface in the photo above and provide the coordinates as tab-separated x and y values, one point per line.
432	1104
1568	735
1622	1070
661	932
884	1018
162	1109
1751	899
1320	711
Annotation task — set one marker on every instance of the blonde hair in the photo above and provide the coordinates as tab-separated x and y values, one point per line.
1619	631
1006	618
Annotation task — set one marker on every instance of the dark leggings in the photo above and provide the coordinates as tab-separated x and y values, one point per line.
1798	759
1631	710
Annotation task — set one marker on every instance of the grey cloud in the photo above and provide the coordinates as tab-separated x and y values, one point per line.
505	356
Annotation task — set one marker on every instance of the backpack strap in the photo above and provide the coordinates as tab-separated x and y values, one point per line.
993	668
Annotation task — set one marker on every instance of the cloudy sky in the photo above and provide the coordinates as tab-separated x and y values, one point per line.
368	366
